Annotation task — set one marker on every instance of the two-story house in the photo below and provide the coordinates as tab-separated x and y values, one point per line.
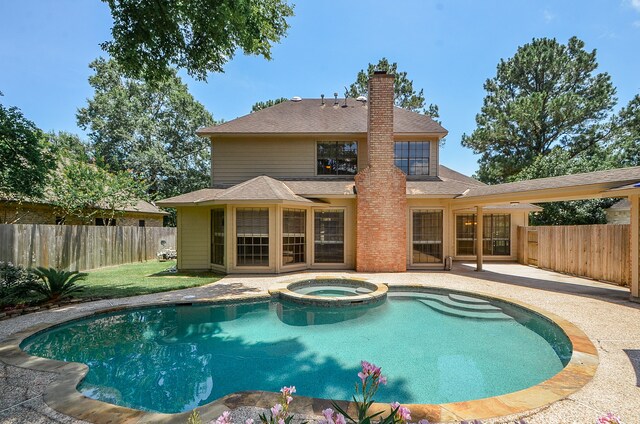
334	184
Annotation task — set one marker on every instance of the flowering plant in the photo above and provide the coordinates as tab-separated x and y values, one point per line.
370	380
280	411
609	418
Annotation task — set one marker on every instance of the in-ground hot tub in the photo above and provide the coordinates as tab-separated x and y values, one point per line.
331	291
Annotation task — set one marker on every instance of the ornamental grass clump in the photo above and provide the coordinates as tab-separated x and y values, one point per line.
55	284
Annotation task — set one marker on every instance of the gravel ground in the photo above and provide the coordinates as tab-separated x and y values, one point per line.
601	310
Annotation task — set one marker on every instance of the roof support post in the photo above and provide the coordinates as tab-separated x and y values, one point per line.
479	233
634	235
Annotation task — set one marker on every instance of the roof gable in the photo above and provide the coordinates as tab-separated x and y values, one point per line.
311	116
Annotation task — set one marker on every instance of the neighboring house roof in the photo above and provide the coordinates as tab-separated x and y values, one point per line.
609	178
141	206
310	116
144	207
621	205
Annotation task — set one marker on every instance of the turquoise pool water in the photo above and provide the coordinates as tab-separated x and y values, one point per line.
434	348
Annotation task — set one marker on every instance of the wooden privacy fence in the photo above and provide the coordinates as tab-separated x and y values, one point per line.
600	252
80	247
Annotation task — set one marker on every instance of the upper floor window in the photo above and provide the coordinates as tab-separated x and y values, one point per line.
412	157
337	158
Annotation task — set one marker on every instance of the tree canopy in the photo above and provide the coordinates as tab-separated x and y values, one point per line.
548	94
198	36
626	137
147	129
26	158
80	188
405	95
263	105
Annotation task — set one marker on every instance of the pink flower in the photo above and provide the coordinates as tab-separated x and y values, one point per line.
370	370
289	399
249	421
403	413
328	413
281	421
276	410
288	390
225	418
340	419
609	418
424	422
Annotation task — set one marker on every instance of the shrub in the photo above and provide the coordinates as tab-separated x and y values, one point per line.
13	282
56	284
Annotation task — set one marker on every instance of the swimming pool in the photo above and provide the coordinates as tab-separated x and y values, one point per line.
175	358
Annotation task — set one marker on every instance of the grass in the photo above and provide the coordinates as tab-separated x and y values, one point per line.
140	278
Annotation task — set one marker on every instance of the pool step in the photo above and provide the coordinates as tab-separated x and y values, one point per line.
459	304
454	311
466	299
443	304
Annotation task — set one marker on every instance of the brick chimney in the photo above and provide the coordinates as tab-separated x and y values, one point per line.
381	238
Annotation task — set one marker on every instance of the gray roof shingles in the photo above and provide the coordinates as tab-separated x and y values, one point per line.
309	116
611	177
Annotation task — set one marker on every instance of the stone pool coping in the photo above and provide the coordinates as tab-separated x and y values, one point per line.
62	396
286	291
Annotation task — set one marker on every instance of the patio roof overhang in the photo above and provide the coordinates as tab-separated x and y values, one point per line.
593	185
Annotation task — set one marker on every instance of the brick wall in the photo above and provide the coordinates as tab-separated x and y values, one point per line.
381	189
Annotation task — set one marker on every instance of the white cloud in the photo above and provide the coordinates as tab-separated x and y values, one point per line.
636	24
548	16
635	4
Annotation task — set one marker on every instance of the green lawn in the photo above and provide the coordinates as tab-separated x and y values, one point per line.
140	278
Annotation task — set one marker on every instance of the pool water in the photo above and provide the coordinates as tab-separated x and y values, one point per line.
433	347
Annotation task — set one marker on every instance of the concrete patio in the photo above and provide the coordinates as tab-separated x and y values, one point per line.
601	310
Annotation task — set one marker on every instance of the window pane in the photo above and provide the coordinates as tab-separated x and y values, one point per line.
328	236
293	236
217	236
337	158
496	234
465	234
412	157
427	236
252	233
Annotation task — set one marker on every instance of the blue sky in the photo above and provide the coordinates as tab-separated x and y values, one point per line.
448	47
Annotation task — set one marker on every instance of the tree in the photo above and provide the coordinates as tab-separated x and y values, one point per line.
405	95
560	162
70	146
263	105
546	95
626	140
85	191
199	36
26	158
148	129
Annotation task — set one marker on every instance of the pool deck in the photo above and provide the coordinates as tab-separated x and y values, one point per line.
601	310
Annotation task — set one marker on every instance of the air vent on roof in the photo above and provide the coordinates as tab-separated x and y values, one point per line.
296	99
362	99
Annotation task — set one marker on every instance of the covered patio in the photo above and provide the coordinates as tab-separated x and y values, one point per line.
618	183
